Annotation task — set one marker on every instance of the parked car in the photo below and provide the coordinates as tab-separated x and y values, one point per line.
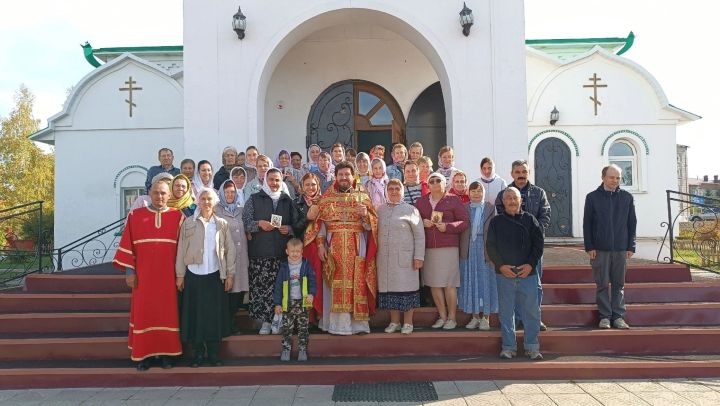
707	214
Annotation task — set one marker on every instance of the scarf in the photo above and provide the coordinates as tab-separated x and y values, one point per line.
358	158
187	199
277	160
378	195
443	182
275	196
198	184
240	199
229	206
477	223
402	195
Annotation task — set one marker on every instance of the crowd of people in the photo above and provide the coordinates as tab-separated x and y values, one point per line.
329	240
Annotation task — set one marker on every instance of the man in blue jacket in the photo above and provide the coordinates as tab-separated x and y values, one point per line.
609	231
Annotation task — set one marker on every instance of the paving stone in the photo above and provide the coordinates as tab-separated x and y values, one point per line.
446	388
443	400
712	383
486	399
623	398
600	387
147	402
710	398
574	399
665	399
8	394
550	387
312	402
187	402
317	392
236	393
116	402
190	393
518	387
636	386
36	395
397	404
76	394
477	388
684	385
524	399
114	394
160	393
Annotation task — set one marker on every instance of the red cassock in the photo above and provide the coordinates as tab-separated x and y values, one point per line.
148	245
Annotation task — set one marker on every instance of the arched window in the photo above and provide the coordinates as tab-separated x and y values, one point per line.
622	153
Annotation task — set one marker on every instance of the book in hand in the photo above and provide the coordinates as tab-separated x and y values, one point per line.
436	217
276	220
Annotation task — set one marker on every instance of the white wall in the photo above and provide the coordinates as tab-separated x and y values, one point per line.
353	52
483	75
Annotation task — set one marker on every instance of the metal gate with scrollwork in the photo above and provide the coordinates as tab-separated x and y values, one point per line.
332	117
553	173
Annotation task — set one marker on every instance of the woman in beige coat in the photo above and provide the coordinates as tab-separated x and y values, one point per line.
401	251
204	270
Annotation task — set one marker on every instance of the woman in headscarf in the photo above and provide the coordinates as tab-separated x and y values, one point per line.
313	157
182	198
459	186
307	204
230	209
204	271
400	255
375	186
266	248
291	176
239	178
203	177
425	166
338	153
478	283
492	183
444	219
446	162
362	164
325	171
262	164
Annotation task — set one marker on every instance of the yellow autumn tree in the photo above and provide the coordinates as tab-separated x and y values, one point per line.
27	173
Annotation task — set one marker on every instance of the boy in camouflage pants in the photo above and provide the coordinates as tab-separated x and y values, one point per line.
295	288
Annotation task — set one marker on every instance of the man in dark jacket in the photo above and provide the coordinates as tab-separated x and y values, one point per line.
515	245
535	202
229	156
609	231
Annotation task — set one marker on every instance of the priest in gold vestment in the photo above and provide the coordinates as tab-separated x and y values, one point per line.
346	236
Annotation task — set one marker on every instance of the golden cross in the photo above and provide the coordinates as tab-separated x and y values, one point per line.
130	82
595	86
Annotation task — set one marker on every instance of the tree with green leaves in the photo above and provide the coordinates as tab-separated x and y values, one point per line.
27	173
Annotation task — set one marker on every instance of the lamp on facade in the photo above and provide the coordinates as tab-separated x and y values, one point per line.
466	19
239	24
554	116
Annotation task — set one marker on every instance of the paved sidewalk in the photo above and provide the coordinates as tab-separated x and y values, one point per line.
675	392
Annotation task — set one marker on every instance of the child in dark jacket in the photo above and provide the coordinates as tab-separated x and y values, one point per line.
295	289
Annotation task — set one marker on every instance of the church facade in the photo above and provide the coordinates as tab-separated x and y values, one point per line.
362	73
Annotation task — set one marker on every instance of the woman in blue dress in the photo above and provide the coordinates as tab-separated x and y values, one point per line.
478	286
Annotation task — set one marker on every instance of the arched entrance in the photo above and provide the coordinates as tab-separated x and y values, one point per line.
357	113
426	120
553	172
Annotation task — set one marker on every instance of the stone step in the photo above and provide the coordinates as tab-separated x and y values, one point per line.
423	343
356	371
553	274
63	302
584	293
653	314
558	274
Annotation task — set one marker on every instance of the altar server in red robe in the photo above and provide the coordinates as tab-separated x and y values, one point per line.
147	254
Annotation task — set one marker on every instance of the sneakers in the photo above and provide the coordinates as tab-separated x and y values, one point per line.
534	355
265	329
449	325
484	324
474	322
407	329
392	327
543	327
439	323
302	356
604	323
285	356
507	354
620	324
276	325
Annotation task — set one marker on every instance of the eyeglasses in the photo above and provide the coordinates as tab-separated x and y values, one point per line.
434	181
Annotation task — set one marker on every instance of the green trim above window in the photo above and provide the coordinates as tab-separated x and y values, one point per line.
568	136
640	137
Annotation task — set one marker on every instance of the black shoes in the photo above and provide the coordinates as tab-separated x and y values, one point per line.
143	365
196	362
167	362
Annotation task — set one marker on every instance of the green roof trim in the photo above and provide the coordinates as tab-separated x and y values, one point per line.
628	41
119	50
88	52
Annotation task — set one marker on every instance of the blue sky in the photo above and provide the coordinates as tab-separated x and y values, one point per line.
40	47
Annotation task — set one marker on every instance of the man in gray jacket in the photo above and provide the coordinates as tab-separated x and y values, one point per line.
609	227
535	202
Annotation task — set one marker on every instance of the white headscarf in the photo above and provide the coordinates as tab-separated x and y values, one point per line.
275	196
240	192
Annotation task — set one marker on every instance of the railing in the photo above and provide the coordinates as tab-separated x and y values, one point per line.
693	231
23	242
95	248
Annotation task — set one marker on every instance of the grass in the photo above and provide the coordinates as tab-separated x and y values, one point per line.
693	259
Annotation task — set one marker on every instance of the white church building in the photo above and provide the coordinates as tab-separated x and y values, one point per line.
364	72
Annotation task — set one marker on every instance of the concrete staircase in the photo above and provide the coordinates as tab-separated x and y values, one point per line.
69	330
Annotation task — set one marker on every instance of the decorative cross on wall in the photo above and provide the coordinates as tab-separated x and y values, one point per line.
595	87
130	82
